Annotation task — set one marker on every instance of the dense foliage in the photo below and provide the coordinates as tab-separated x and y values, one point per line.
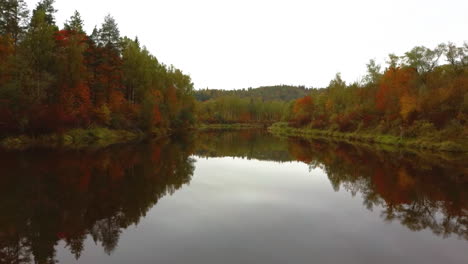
54	79
414	96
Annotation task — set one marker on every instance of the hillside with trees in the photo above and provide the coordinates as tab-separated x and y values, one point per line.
259	105
55	78
233	109
265	93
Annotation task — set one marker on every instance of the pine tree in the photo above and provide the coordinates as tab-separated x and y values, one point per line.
48	7
75	23
13	19
38	53
109	34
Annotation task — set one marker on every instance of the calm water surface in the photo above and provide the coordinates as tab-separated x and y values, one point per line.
233	197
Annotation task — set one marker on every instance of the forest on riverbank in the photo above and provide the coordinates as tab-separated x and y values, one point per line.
81	87
53	79
413	92
415	96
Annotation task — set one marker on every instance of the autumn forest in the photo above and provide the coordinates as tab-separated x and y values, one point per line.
54	79
420	94
57	78
248	153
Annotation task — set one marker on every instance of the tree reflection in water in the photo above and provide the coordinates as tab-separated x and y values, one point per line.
51	196
48	196
420	190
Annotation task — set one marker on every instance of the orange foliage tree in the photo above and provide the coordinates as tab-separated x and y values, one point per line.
302	110
396	82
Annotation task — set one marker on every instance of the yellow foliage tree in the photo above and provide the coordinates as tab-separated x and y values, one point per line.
408	105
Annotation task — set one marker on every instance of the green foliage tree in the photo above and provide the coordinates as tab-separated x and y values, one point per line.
38	52
46	6
13	19
424	59
373	73
109	34
75	23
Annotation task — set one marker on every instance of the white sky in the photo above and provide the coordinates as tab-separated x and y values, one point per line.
250	43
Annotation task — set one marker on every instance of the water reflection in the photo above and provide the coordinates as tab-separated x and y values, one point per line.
48	196
51	196
250	144
419	190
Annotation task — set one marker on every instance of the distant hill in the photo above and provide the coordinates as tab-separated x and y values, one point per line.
267	93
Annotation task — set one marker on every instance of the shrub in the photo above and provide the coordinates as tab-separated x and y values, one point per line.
421	128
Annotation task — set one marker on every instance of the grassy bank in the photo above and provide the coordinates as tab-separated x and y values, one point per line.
80	138
230	126
425	143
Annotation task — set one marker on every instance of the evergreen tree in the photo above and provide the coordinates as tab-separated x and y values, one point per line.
109	34
75	23
95	35
48	7
13	19
38	52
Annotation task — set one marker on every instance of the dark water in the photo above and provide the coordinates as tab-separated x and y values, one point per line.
233	197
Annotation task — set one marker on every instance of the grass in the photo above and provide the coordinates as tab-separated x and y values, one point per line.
425	143
230	126
76	138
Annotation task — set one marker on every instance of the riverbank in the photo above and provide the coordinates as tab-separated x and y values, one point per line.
231	126
97	137
460	145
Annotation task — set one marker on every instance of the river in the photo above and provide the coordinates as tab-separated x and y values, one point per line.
233	197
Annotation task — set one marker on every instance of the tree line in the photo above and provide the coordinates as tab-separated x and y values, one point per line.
234	109
53	79
414	96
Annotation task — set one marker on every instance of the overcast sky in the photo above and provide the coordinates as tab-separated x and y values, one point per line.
250	43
